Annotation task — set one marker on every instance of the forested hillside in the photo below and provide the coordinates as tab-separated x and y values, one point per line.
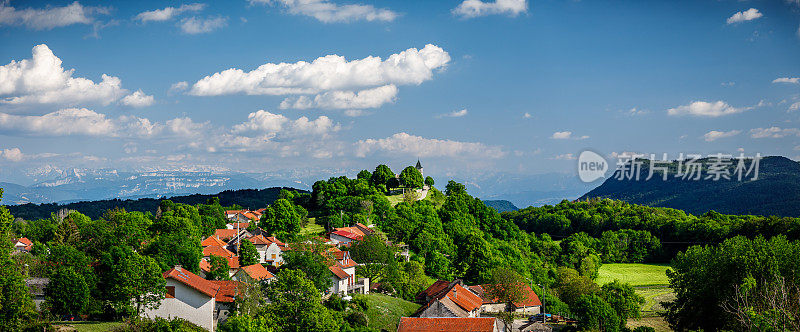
558	250
246	198
775	192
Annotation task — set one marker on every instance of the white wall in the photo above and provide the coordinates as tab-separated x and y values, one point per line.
336	238
188	304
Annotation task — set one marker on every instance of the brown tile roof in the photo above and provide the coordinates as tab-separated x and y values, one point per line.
338	272
432	290
257	272
227	290
192	280
217	251
212	241
259	239
531	299
446	324
251	215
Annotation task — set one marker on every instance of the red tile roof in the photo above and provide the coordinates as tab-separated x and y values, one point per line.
212	241
461	296
531	299
338	272
225	234
205	266
464	298
192	280
25	241
274	239
217	251
251	215
346	264
259	240
227	290
348	234
257	271
242	225
446	324
233	262
432	290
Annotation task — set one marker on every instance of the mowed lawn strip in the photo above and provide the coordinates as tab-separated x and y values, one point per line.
385	311
634	274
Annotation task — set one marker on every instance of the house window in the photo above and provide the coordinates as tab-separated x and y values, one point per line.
170	292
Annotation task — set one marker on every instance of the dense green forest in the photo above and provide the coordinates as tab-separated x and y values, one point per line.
556	249
246	198
776	192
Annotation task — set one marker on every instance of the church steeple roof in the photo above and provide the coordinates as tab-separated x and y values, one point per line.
419	165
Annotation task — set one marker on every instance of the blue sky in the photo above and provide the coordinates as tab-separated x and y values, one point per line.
510	86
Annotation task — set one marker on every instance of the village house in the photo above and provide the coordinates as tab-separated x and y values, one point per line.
244	215
448	299
228	234
189	297
255	272
450	324
205	262
23	244
225	300
269	251
343	272
36	288
531	305
346	235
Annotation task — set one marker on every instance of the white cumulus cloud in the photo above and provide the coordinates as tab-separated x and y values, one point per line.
566	135
475	8
12	154
706	109
454	114
715	134
138	99
774	132
197	25
49	17
330	12
370	98
427	147
168	13
747	15
793	80
331	72
41	79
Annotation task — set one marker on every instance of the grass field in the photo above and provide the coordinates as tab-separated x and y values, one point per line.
653	297
385	311
312	228
87	326
434	195
658	323
635	274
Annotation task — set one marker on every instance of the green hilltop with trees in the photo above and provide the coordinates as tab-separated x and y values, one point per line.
109	268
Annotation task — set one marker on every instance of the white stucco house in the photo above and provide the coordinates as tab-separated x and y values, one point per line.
189	297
